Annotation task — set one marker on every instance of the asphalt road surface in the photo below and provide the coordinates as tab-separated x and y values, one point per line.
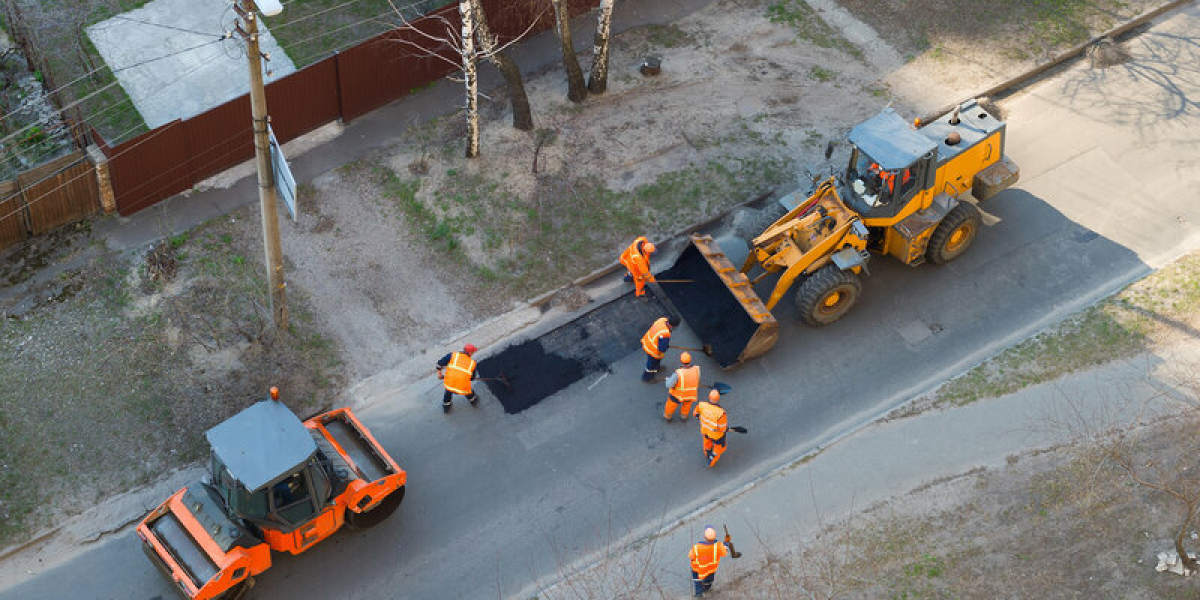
1109	189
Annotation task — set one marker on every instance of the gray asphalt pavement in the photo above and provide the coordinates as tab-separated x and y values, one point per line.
498	501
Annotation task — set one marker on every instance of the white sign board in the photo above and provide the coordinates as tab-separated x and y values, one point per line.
285	184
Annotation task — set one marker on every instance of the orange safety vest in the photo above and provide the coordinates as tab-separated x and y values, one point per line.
633	259
657	331
889	177
713	421
706	556
459	372
689	380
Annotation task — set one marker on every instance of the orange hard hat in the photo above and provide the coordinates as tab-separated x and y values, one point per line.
714	395
470	349
685	358
648	248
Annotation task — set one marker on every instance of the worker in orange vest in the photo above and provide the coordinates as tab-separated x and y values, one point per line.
888	178
457	371
655	343
636	259
681	389
713	425
705	557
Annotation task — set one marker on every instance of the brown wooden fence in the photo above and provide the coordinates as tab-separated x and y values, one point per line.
161	163
48	196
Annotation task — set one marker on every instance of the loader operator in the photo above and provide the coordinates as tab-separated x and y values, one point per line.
888	178
713	425
705	557
681	389
655	343
636	259
457	370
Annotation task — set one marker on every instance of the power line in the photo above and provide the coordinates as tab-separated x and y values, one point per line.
171	27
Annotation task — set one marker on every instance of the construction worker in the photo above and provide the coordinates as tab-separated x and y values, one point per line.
888	178
655	343
681	388
457	370
713	425
705	557
636	259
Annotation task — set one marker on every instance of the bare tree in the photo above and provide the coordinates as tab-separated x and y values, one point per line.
461	38
598	80
576	90
521	114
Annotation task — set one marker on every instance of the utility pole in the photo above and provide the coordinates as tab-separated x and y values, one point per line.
262	156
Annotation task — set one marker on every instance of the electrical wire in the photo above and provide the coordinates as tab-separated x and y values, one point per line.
171	27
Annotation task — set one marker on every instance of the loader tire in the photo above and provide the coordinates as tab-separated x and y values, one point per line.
376	515
954	234
827	296
758	221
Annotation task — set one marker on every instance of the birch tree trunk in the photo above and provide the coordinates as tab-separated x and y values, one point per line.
522	116
471	77
576	89
598	81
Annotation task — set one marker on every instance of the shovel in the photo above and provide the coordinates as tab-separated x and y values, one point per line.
721	387
503	379
674	281
739	429
707	349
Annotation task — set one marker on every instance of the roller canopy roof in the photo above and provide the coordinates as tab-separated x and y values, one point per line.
262	444
890	140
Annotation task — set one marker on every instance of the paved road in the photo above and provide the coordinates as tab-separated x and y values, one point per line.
496	501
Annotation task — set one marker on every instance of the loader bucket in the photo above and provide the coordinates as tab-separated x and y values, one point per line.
720	305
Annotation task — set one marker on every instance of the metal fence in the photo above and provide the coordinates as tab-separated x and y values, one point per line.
170	159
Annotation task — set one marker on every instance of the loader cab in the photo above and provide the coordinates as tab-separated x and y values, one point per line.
890	163
266	468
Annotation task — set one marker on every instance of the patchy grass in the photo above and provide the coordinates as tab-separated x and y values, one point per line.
110	379
809	26
1017	29
1163	303
311	30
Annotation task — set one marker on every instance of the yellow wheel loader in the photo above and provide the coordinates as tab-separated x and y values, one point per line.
909	191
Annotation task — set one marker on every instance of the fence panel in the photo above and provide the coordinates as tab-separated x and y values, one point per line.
12	218
59	192
219	138
510	19
304	100
393	64
150	167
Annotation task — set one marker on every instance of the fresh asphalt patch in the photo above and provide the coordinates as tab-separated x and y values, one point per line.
538	368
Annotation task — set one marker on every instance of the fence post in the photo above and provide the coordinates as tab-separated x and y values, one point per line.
108	199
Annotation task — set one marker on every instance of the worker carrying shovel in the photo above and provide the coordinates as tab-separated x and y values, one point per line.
681	389
457	371
705	556
636	259
655	343
714	423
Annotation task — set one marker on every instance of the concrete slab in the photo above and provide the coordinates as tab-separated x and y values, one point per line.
167	56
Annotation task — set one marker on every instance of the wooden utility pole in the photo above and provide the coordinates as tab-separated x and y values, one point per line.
266	176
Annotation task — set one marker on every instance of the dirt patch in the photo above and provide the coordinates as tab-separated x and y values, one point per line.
1062	523
114	369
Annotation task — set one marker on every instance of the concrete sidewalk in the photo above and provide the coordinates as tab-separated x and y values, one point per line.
890	459
316	153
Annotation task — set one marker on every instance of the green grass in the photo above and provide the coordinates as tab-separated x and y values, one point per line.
1118	327
308	37
820	74
809	27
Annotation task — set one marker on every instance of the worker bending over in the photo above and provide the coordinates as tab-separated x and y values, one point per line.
705	557
681	388
636	259
655	343
457	371
713	425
